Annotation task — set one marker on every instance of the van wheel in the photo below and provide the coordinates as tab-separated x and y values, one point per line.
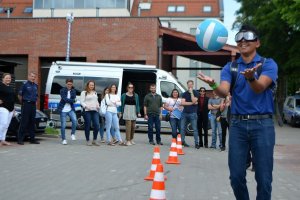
80	123
189	130
283	119
293	122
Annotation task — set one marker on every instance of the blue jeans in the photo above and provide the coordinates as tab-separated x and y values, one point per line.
112	120
153	119
257	136
193	118
215	126
175	125
91	116
63	119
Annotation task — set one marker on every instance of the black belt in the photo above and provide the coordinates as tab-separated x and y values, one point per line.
31	102
249	117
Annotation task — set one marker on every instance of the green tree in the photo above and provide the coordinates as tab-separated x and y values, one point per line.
279	25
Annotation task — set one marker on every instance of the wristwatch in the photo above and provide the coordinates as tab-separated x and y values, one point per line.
251	79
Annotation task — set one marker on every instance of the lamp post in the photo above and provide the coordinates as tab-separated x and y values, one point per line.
70	19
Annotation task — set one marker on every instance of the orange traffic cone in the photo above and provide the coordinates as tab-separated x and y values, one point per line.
179	145
158	186
155	162
173	158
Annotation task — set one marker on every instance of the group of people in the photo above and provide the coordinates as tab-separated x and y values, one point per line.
27	96
90	103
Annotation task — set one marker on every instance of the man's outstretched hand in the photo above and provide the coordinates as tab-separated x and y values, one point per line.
205	78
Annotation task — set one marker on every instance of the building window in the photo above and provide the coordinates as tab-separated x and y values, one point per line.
180	9
207	72
171	8
28	10
38	4
207	9
1	10
194	64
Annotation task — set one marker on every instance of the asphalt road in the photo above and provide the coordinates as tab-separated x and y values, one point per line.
52	171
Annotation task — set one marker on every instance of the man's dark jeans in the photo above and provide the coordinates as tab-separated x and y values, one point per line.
153	119
259	137
202	125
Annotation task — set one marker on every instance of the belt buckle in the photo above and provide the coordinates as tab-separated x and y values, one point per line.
246	117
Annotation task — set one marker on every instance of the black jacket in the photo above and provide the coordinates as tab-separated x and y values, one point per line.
7	95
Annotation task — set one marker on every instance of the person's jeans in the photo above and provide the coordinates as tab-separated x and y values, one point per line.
112	120
224	126
215	127
101	127
175	125
202	124
191	117
91	116
63	119
257	136
153	119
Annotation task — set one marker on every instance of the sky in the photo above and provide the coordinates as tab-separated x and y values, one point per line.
230	7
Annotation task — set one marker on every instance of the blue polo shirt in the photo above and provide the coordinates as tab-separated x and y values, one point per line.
29	91
244	100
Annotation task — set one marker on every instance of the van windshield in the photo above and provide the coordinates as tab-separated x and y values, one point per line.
298	103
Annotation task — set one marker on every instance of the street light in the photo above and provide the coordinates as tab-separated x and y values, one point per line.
70	19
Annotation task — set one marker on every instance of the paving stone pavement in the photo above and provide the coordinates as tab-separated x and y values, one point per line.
79	172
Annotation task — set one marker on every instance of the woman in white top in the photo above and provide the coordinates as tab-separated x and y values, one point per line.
90	104
111	116
174	103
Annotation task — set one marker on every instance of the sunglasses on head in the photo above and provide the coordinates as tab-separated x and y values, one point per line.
248	36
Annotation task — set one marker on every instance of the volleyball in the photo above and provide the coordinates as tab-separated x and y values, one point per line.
211	35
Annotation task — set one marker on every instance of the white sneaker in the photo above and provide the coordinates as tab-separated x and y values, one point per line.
73	137
64	142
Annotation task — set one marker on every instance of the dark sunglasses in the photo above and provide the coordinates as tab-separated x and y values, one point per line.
130	87
202	90
248	36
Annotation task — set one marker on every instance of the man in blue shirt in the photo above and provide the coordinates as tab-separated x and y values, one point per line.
251	125
28	95
190	103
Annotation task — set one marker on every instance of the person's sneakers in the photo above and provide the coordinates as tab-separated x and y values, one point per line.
160	143
89	143
185	144
128	143
201	145
212	147
122	144
95	143
64	142
20	143
151	142
34	142
222	149
206	146
197	146
115	141
73	137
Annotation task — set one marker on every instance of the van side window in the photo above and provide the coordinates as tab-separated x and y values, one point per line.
167	87
101	82
60	82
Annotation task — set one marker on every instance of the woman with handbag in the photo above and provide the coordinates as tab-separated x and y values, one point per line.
90	104
111	115
130	109
174	108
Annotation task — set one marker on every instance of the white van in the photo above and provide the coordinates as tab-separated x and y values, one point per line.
105	74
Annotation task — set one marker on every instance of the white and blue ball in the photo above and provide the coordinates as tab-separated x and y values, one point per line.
211	35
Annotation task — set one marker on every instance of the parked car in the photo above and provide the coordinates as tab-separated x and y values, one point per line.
40	122
291	110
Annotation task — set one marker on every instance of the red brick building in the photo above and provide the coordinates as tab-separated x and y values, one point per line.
34	43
